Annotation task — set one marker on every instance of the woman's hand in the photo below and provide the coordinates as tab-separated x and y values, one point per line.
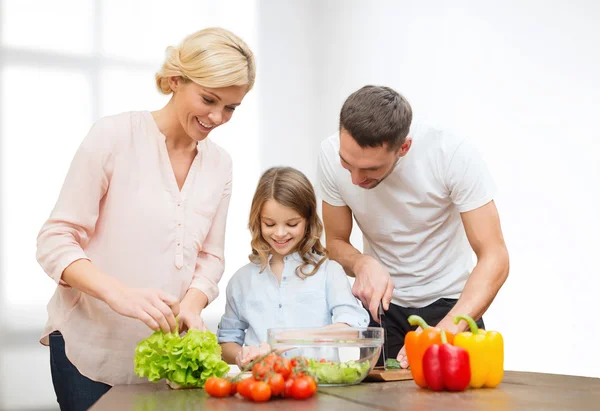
249	353
155	308
189	320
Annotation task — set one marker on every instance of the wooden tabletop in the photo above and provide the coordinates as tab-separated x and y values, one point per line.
518	391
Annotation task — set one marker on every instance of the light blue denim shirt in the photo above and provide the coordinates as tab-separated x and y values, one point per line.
256	302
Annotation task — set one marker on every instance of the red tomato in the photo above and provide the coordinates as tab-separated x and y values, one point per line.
260	370
270	359
283	367
303	388
323	360
293	362
233	388
217	387
260	391
244	386
287	390
277	384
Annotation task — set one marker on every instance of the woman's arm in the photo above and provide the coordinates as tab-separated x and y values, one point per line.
71	225
154	308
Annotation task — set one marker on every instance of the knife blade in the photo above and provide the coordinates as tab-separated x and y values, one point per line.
381	315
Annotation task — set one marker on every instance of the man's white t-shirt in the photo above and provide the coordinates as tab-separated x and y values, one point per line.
411	221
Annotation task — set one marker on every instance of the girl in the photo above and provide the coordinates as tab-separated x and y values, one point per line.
136	237
289	281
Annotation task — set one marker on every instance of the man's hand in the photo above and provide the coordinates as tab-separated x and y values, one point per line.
402	358
373	284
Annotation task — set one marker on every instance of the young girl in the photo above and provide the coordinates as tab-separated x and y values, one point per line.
289	283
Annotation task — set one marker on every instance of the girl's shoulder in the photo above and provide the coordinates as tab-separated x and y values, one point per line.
243	274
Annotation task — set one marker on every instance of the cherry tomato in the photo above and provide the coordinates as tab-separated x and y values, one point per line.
244	387
323	360
303	388
217	387
260	391
287	390
277	384
283	367
271	359
260	370
233	388
293	362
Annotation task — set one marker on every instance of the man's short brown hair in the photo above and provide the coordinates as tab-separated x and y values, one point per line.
376	115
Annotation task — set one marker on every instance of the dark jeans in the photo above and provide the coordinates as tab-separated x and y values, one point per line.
396	323
74	392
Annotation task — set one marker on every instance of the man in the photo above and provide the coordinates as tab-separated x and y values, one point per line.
423	200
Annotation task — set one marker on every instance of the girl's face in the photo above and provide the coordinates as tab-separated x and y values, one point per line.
281	227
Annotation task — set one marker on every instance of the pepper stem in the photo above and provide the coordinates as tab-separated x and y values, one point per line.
472	324
443	335
416	320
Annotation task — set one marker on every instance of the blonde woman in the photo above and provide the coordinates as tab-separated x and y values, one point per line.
136	237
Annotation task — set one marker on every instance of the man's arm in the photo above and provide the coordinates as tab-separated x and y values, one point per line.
484	233
338	227
373	283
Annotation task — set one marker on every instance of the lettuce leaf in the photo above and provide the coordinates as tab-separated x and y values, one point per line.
188	361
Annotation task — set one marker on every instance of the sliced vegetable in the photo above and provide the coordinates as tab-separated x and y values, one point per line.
392	363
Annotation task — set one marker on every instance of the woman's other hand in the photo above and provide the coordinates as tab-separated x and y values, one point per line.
189	320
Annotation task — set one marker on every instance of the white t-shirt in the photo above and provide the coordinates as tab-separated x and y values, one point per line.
411	221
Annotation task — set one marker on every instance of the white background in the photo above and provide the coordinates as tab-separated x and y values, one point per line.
519	77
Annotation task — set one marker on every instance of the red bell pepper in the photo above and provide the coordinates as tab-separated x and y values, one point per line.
446	367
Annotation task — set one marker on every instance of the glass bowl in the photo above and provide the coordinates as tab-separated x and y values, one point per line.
336	356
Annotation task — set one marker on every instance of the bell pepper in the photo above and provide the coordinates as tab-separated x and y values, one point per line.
486	351
417	343
446	367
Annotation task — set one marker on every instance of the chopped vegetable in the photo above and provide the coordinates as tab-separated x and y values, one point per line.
187	361
350	372
392	363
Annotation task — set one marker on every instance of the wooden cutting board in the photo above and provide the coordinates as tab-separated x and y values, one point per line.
380	374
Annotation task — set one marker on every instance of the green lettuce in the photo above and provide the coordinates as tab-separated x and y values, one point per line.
188	361
350	372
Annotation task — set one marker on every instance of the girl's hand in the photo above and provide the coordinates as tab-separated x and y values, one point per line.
155	308
249	353
189	320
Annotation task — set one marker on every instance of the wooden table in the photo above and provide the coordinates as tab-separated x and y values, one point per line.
518	391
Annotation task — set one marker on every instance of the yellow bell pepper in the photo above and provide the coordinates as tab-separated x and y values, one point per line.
486	353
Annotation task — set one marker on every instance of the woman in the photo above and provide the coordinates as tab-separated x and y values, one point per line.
136	237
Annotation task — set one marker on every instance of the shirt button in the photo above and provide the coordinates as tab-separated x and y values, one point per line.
178	244
179	225
280	306
178	204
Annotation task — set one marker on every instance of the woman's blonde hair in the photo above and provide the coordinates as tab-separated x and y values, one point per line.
213	57
290	188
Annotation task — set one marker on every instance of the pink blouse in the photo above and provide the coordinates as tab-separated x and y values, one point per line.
120	207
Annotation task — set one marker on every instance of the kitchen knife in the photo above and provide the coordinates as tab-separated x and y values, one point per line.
381	314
